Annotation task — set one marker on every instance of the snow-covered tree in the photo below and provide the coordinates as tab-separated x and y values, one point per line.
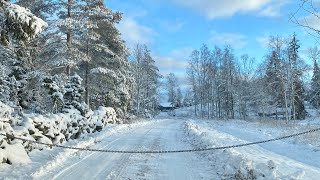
188	98
171	86
146	75
54	91
73	95
228	80
179	97
276	77
111	79
18	23
314	54
297	90
18	27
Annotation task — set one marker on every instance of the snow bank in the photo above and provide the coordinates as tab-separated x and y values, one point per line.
49	129
244	163
13	153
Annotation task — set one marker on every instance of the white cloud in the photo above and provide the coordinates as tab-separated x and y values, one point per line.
170	64
174	61
263	41
133	32
273	9
225	8
237	41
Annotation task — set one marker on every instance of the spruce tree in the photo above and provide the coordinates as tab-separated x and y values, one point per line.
315	81
274	80
297	109
73	95
54	91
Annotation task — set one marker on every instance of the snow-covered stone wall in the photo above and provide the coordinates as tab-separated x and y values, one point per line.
50	129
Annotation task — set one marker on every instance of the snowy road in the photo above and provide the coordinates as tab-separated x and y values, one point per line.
170	134
163	134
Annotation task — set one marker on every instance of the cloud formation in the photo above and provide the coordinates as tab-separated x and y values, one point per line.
170	64
225	8
273	9
237	41
133	32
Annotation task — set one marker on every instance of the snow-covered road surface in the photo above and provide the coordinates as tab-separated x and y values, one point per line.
263	161
160	135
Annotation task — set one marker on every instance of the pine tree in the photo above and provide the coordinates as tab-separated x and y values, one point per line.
276	78
110	69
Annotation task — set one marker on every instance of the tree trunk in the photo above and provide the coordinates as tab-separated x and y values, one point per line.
69	41
87	99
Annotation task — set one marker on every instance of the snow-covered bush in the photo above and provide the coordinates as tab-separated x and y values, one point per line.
49	129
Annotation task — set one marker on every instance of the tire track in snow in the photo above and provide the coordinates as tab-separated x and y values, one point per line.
166	134
56	164
82	169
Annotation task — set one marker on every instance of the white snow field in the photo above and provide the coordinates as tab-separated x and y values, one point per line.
277	160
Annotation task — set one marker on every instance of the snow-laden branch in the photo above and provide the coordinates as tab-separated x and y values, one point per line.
28	24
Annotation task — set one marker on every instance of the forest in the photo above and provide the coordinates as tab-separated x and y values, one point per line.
77	61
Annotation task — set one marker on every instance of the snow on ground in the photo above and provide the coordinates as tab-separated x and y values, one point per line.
280	159
164	134
296	158
47	159
302	148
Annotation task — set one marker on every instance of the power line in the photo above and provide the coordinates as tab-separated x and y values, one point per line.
163	151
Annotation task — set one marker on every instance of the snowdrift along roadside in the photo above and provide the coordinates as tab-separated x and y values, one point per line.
246	162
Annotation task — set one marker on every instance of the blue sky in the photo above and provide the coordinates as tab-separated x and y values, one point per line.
173	28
